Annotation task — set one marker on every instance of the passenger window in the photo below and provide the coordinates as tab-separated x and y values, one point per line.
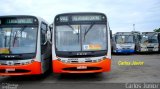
43	33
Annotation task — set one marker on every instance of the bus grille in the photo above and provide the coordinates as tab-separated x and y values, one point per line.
150	47
87	69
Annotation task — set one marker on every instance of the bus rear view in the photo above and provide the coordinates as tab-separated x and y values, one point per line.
81	43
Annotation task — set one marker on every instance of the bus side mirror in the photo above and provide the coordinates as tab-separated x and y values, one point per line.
51	26
48	36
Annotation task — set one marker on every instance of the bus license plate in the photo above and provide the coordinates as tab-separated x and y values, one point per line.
11	69
81	67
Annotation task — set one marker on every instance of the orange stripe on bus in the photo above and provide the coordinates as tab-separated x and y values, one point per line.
58	66
34	68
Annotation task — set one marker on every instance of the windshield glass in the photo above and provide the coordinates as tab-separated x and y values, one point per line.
18	40
149	38
120	39
90	37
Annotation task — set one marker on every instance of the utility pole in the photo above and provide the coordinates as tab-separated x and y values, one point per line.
133	27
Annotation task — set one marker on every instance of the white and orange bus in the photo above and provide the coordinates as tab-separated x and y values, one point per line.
24	45
81	43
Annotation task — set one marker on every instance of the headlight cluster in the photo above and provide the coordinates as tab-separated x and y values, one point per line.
100	59
28	62
18	63
59	59
143	46
96	60
156	49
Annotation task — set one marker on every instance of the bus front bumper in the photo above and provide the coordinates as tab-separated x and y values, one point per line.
102	66
149	49
17	70
124	51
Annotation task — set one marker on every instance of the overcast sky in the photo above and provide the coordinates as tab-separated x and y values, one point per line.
122	14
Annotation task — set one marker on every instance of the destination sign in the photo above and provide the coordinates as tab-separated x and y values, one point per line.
87	18
8	21
19	21
78	18
64	18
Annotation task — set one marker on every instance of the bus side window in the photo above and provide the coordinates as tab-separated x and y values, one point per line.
43	37
43	33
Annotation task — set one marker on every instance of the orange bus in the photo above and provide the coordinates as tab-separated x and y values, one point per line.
81	43
25	48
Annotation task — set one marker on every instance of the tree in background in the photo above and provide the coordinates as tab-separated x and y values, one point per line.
157	30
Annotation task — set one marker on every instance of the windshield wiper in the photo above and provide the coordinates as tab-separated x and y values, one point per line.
10	40
15	37
73	30
149	39
129	41
152	37
88	30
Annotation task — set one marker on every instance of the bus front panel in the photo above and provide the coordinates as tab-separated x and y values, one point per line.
82	45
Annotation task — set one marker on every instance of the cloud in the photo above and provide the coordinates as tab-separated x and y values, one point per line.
122	14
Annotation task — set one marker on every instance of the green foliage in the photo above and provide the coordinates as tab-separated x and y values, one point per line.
157	30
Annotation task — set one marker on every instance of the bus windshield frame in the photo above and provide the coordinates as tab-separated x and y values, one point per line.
124	37
83	37
17	32
149	38
90	25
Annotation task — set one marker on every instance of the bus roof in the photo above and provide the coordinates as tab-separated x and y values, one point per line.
124	33
81	13
149	33
38	18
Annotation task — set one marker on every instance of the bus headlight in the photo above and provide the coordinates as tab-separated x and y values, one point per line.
63	61
59	59
22	63
104	58
32	61
156	48
68	61
27	63
94	60
143	46
99	60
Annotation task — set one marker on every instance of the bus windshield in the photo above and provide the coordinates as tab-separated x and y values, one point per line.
121	39
18	40
90	37
149	38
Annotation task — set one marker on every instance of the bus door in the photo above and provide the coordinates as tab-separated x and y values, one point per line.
44	47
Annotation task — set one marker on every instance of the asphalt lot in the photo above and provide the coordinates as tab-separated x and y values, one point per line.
146	69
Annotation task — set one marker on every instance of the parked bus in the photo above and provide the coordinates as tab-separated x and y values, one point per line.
159	40
149	42
81	43
125	42
24	45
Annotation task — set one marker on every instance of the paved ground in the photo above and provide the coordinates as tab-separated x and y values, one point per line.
148	71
